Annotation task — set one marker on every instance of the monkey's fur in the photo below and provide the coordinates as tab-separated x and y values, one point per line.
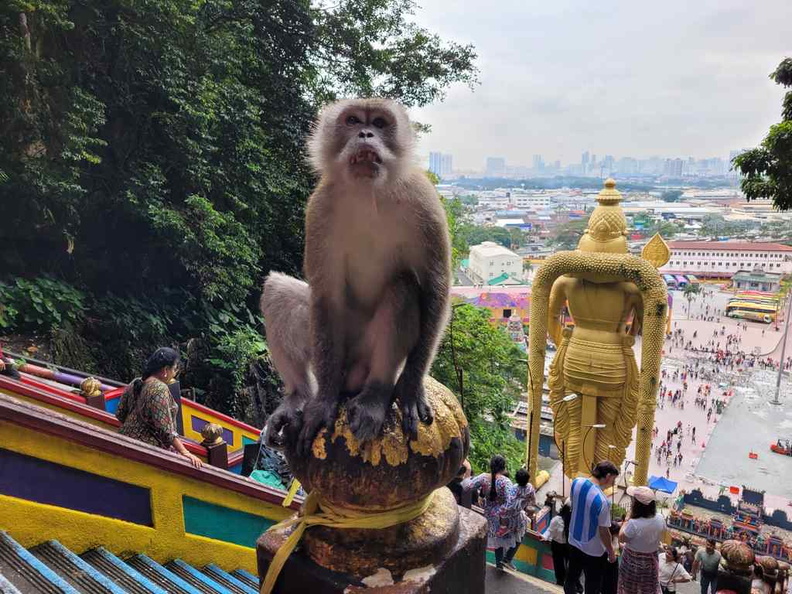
377	262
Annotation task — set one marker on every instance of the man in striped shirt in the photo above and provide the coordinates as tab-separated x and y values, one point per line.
591	547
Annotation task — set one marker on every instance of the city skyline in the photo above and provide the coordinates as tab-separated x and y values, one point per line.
670	80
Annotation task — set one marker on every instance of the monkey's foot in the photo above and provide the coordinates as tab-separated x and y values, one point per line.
317	414
283	426
414	406
367	411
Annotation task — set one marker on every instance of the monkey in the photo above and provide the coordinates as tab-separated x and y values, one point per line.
366	325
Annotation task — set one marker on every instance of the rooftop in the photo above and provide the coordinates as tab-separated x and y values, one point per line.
735	246
490	248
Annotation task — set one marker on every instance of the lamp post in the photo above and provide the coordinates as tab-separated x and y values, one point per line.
776	400
612	447
585	437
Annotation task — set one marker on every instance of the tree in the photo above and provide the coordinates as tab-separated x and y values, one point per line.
487	372
689	292
476	234
567	235
152	156
671	195
767	169
527	267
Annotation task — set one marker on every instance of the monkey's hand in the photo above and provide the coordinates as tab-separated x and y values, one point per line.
414	406
283	426
317	414
366	412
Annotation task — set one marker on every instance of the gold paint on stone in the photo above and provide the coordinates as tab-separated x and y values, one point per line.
392	445
656	251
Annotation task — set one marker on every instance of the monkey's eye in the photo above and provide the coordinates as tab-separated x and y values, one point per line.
352	120
379	123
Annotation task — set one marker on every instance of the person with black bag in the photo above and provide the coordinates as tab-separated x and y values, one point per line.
672	572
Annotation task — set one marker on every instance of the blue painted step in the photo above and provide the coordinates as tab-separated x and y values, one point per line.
161	576
200	580
123	575
81	575
26	573
247	577
229	581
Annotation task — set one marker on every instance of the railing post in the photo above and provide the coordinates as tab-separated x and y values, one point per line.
91	389
216	447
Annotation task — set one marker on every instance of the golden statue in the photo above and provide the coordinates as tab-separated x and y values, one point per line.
596	392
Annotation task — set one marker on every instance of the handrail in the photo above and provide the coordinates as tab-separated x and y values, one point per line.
75	406
52	423
105	380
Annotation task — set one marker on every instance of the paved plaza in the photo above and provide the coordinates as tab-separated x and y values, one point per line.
718	457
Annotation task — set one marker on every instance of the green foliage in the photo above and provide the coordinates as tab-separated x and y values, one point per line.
689	292
567	235
486	371
39	305
671	195
455	214
152	154
767	169
476	234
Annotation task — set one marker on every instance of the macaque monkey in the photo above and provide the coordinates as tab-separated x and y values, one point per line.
367	323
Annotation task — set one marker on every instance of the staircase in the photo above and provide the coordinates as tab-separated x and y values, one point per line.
51	568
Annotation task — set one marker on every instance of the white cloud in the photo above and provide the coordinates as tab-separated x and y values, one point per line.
618	77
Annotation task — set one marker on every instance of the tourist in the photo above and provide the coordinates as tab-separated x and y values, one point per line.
147	410
557	535
671	571
455	486
520	503
494	487
6	367
640	536
589	531
758	585
610	578
707	560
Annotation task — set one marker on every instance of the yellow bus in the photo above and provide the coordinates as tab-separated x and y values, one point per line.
752	310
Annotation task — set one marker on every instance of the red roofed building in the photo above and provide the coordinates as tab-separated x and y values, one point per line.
721	259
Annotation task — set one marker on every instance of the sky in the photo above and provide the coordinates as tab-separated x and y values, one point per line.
672	78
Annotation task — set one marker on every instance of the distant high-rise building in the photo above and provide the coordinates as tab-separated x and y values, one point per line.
585	159
593	159
673	167
496	166
538	163
447	165
440	164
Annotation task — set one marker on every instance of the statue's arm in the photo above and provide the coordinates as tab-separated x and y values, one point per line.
557	300
636	300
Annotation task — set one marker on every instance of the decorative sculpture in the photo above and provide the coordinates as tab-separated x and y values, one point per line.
596	392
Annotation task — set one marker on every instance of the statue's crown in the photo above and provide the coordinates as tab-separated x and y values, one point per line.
607	228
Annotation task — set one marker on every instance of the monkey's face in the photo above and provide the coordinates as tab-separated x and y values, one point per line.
362	140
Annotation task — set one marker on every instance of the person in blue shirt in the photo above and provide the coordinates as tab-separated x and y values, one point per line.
590	542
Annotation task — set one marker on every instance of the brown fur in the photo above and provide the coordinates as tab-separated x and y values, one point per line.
377	260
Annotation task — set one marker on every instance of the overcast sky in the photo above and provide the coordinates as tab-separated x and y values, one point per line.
621	77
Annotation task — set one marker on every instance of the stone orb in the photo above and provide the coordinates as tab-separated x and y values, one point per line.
390	471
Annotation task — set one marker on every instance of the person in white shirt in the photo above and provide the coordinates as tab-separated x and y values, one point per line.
558	542
672	572
640	538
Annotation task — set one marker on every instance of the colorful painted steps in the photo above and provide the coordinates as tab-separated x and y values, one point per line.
51	568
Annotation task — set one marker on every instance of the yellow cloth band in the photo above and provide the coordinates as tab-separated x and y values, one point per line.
335	517
295	486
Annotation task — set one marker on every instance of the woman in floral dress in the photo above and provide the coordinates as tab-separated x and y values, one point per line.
147	410
520	501
494	500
